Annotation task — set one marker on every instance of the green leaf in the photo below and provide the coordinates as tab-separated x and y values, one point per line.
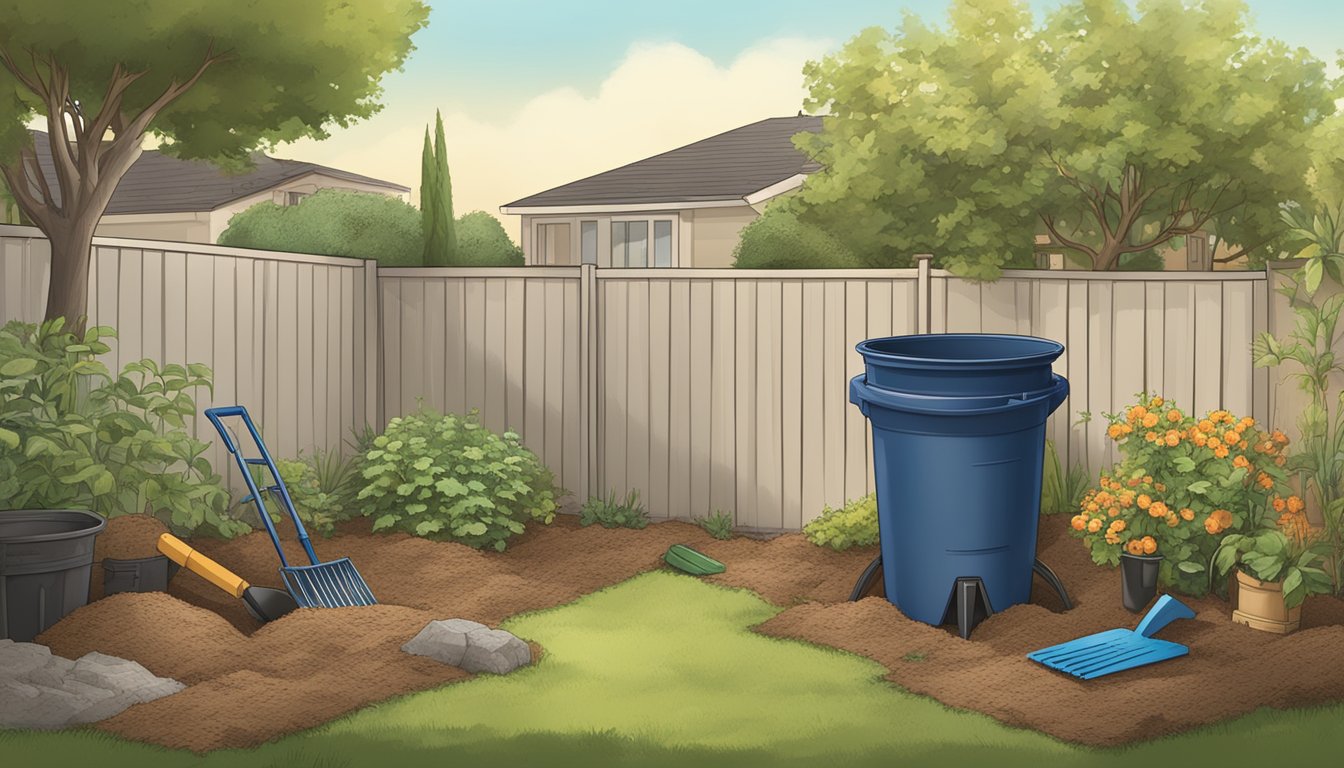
18	366
1190	567
1183	463
384	521
1292	581
1200	487
9	439
104	484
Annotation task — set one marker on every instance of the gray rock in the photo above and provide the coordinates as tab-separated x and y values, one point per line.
470	645
21	658
38	690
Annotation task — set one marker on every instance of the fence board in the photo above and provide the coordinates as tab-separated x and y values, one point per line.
716	389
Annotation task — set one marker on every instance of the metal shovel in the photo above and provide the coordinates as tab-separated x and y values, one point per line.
264	603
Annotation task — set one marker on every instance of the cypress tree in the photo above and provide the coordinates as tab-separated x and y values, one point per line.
444	192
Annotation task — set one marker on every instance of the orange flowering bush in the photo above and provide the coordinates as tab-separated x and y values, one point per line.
1184	483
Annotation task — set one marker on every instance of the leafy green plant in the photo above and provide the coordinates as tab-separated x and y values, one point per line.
853	525
1183	484
1313	345
445	476
1053	495
322	487
719	525
614	513
1288	551
71	434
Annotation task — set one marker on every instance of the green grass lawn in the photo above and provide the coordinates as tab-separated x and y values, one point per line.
662	670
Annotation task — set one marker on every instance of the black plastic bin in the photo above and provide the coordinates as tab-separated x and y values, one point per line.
146	574
46	557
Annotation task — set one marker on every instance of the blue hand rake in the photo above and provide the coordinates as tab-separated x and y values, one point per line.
336	584
1116	650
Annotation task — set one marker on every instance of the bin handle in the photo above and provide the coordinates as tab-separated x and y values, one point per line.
861	393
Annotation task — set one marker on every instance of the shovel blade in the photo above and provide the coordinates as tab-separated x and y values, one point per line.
266	604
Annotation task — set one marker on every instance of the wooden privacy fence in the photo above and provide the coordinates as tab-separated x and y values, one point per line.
701	389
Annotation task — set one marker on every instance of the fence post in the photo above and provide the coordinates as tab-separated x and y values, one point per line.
373	347
587	380
923	293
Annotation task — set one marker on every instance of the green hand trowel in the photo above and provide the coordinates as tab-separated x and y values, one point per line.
683	558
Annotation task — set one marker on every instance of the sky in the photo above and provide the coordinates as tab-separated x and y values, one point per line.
538	93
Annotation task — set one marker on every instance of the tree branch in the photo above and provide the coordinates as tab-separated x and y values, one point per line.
67	173
1049	222
18	187
36	86
111	106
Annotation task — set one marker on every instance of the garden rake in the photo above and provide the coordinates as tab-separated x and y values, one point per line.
335	584
1116	650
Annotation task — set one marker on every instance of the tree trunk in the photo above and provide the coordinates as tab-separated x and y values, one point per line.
68	294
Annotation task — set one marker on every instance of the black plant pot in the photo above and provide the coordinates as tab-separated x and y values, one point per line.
1138	580
148	574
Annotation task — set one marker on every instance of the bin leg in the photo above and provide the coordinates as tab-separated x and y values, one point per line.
972	605
1044	572
870	583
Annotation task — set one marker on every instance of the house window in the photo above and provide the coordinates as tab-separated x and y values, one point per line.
553	245
588	241
294	198
630	246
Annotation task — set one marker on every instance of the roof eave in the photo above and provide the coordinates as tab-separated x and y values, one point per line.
754	198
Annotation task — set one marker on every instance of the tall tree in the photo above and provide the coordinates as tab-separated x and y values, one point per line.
1111	131
440	237
217	82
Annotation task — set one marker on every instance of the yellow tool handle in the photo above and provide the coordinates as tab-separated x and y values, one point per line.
181	553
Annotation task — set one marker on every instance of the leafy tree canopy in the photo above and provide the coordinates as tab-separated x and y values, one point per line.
212	80
1111	130
482	242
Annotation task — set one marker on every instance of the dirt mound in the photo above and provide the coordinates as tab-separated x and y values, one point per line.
990	673
129	537
251	683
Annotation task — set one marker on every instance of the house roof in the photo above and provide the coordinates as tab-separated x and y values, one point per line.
157	183
727	167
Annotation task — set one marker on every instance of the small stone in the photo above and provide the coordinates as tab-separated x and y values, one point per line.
470	645
440	642
17	659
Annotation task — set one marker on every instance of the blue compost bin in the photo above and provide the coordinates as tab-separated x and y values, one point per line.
958	423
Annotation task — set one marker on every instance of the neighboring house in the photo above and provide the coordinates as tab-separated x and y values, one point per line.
683	208
163	198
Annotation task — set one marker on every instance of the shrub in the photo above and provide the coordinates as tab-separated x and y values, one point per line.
1182	485
333	222
611	513
446	476
72	435
853	525
719	525
779	240
322	487
482	242
1287	550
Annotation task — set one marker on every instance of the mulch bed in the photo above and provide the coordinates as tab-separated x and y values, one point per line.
251	683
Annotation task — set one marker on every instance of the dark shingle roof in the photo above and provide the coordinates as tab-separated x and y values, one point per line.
157	183
728	166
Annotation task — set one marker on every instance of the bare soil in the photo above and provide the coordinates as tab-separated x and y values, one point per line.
250	683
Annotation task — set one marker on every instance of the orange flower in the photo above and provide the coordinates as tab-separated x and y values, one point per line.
1214	442
1147	479
1126	499
1280	461
1205	425
1150	420
1150	436
1173	520
1078	522
1223	517
1295	504
1173	438
1105	499
1115	431
1265	481
1112	538
1115	511
1134	547
1092	506
1220	451
1211	526
1149	545
1231	438
1279	503
1160	487
1173	415
1158	509
1157	401
1247	422
1217	416
1280	438
1117	525
1187	514
1241	461
1137	412
1093	525
1144	501
1200	440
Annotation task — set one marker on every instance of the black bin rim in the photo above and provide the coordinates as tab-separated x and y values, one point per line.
902	351
93	524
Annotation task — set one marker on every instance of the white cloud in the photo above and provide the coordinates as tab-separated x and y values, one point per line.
658	98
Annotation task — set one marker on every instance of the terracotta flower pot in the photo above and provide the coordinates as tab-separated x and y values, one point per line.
1260	606
1138	580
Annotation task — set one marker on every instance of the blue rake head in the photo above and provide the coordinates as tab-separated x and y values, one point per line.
1116	650
334	584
